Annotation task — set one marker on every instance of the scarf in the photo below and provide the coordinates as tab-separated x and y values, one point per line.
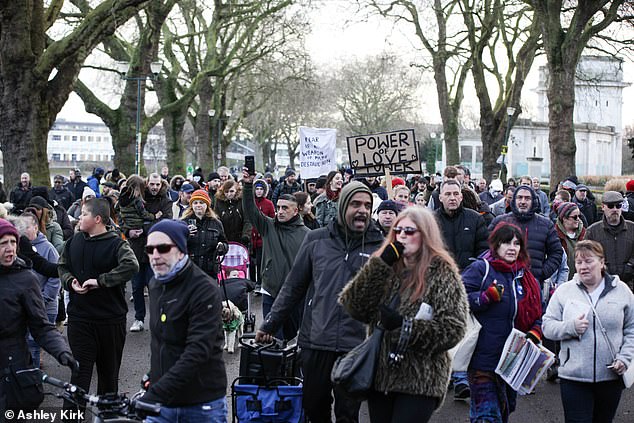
529	308
332	195
173	271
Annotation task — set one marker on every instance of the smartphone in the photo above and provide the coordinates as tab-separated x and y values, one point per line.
249	163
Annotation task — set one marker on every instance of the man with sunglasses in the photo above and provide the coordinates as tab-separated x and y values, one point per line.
94	268
187	371
616	235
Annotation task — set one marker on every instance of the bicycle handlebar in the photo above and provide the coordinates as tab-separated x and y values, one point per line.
113	402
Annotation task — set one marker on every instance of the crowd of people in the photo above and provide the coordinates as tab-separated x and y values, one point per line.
332	257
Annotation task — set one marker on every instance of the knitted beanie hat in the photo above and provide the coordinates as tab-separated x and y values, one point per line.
565	210
200	194
630	185
6	228
176	230
346	195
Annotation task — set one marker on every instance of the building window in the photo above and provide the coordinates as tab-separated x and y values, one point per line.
82	138
98	139
74	157
56	157
89	138
66	138
56	137
74	138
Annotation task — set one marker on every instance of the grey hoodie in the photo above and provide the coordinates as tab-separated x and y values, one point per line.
584	358
48	286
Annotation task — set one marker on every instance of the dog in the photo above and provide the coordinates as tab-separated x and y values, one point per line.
233	324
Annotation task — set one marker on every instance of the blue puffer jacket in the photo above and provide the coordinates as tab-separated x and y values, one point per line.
497	319
544	247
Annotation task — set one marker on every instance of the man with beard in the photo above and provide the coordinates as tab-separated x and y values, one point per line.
60	193
616	235
327	259
213	183
288	186
281	238
158	203
75	184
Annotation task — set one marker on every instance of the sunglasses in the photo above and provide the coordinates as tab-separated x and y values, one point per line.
161	248
611	206
575	217
408	230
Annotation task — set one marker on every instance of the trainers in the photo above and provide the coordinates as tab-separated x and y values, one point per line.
461	392
137	326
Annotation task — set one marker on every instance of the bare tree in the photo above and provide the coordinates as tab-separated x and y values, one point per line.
567	28
450	58
38	73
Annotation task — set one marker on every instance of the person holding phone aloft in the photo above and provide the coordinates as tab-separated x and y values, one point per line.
591	362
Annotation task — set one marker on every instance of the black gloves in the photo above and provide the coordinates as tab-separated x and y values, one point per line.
392	253
390	319
67	359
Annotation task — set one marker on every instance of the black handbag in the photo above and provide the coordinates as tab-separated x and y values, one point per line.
354	371
23	388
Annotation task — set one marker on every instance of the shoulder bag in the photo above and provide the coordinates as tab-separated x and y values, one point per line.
628	376
354	371
461	353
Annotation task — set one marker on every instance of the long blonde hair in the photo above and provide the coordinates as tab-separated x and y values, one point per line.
432	246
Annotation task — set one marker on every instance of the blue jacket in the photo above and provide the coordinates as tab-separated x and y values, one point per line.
544	247
93	183
497	319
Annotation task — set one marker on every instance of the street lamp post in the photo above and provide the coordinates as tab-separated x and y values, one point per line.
123	68
220	119
510	111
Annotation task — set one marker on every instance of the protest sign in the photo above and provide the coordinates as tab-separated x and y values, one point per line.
371	155
317	147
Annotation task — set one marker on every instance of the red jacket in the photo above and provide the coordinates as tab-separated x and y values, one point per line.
266	207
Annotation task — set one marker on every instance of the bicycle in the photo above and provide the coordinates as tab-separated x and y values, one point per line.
111	408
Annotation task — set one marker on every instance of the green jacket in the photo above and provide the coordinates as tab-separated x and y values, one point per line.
280	242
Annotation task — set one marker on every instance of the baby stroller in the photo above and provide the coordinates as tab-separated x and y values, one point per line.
233	278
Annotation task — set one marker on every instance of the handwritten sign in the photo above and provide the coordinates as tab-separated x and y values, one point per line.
371	155
317	148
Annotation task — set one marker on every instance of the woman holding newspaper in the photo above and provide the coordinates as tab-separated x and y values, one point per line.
503	295
593	317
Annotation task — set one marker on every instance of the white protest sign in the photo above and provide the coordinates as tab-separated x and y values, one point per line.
317	147
371	155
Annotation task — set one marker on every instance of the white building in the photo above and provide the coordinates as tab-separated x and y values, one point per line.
598	119
71	143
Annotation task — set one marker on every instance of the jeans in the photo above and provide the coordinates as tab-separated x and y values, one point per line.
459	378
139	282
586	402
34	347
208	412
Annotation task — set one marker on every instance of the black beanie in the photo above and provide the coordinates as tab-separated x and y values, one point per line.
175	229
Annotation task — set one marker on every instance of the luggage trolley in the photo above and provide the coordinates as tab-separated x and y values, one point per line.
268	389
238	289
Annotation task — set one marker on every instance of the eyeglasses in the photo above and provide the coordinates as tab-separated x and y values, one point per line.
611	206
409	231
161	248
575	217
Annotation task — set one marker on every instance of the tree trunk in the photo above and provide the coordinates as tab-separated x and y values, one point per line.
447	115
174	123
561	136
205	127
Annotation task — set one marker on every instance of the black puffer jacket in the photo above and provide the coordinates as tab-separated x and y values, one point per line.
22	308
323	266
465	234
235	222
202	245
20	198
187	367
543	243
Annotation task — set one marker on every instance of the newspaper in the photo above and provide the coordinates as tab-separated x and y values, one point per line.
523	363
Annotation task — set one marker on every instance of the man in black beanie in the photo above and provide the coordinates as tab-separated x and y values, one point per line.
327	259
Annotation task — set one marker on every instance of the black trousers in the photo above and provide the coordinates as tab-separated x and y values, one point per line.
590	402
318	390
400	408
96	344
